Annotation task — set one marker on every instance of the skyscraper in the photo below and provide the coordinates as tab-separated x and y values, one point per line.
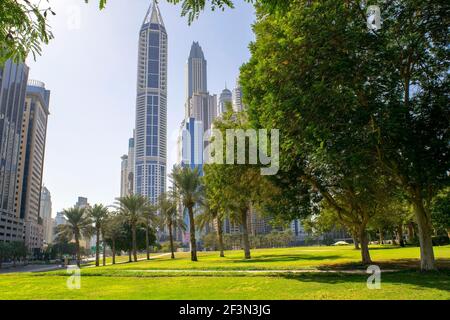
199	105
46	215
151	107
196	72
124	176
226	97
238	105
34	134
13	85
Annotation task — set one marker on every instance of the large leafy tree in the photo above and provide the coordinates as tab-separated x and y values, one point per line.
79	224
440	211
189	188
240	187
354	104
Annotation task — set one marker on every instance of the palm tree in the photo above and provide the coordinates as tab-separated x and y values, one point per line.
79	224
98	214
111	228
131	208
148	218
208	216
188	186
169	216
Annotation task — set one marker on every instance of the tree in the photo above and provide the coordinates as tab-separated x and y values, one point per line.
123	242
131	208
169	217
188	187
207	217
112	227
98	213
149	219
79	224
312	74
241	186
5	252
440	211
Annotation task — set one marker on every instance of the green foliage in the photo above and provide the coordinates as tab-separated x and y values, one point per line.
124	238
440	211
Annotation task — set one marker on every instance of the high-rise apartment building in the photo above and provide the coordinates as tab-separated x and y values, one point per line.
13	86
226	97
151	107
124	176
46	215
32	151
238	104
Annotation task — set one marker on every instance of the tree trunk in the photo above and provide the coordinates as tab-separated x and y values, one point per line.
365	254
192	234
410	231
448	232
380	235
104	250
400	236
133	236
77	248
129	256
355	241
113	251
171	242
427	261
97	247
220	236
245	240
147	243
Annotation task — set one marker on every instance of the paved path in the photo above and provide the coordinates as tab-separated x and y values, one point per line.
31	268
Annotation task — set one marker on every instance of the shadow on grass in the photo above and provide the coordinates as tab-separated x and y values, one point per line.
286	258
435	279
396	264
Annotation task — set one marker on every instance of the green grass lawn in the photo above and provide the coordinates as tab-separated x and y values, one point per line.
134	281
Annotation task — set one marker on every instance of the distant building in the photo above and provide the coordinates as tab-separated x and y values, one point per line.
226	97
13	86
60	219
192	144
46	215
32	151
238	104
82	203
124	176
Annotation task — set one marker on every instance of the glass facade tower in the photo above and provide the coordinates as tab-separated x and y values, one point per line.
151	107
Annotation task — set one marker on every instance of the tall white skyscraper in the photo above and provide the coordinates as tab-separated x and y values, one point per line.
238	105
46	215
151	107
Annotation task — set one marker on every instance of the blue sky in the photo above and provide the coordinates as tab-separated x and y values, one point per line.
90	68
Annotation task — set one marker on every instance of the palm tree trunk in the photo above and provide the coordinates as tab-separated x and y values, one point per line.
133	236
220	236
246	242
97	247
113	251
104	250
147	243
77	248
171	241
192	234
